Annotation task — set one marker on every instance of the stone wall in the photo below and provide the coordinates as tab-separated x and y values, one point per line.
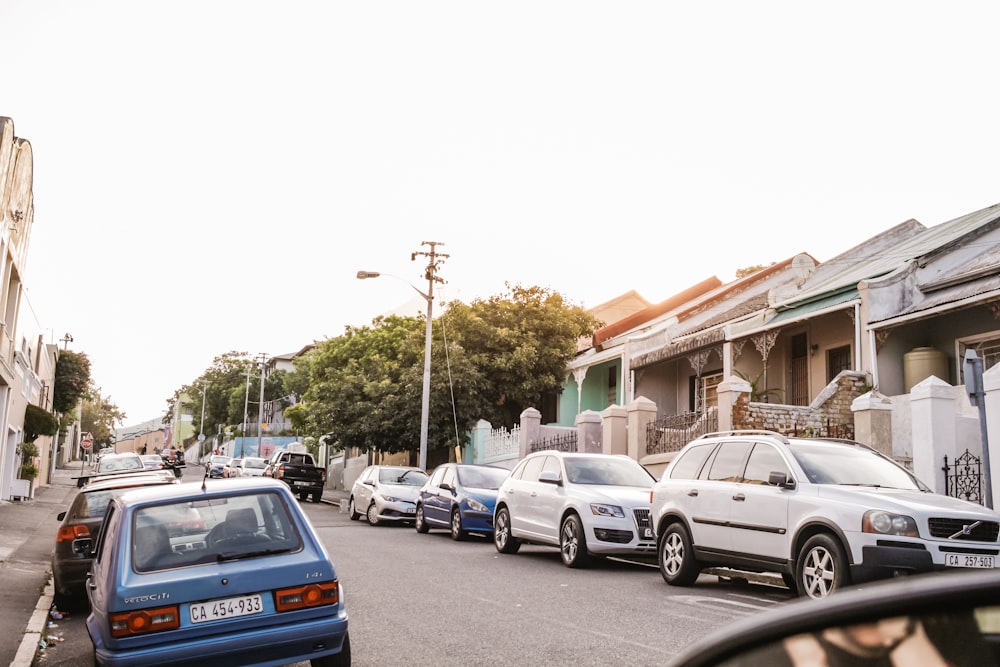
828	415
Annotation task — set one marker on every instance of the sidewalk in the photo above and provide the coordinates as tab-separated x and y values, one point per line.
27	538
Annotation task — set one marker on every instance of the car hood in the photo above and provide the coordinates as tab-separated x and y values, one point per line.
628	496
907	501
401	491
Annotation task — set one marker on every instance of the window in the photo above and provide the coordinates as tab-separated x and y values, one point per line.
612	385
703	394
728	463
764	460
690	462
837	359
987	348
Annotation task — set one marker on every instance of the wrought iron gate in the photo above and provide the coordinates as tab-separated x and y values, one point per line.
966	482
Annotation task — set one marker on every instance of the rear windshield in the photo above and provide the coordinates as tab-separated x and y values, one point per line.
854	466
213	530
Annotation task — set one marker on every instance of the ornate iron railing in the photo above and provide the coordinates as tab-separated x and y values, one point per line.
966	482
670	434
565	442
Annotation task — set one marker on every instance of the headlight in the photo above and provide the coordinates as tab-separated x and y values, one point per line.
881	522
390	499
600	509
477	506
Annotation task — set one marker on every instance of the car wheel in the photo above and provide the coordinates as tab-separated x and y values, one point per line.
317	496
503	539
418	521
676	556
822	567
573	542
352	511
342	659
303	495
457	533
372	514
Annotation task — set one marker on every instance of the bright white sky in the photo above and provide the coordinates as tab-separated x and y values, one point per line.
210	175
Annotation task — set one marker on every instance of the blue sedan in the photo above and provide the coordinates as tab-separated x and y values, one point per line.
247	583
459	497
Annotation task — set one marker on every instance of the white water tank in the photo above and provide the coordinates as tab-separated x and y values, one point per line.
922	362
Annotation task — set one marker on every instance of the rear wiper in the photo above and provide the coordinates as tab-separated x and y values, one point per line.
226	556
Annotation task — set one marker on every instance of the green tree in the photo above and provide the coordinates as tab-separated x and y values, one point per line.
72	378
98	416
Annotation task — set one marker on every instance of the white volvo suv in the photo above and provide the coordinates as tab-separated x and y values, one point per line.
585	504
823	513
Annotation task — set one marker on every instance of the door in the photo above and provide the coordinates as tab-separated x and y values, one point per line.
759	515
711	496
799	381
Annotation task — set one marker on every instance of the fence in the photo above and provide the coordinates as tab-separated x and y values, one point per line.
966	482
564	442
670	434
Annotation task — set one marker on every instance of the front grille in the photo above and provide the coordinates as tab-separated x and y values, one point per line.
948	528
641	519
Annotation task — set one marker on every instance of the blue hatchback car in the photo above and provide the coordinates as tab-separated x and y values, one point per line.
460	497
247	583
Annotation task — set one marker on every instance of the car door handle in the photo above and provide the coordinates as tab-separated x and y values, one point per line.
692	492
739	497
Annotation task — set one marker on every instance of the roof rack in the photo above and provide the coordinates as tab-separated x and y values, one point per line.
748	431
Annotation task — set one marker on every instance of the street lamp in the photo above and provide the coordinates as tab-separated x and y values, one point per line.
201	424
430	273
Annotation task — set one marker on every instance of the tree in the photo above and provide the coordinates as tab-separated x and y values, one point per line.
98	416
72	378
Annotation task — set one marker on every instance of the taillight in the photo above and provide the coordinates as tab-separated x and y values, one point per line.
323	476
311	595
281	472
144	621
70	533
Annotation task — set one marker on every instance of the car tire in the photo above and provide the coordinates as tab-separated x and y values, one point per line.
317	496
303	495
675	556
789	580
418	520
573	542
372	515
352	511
342	659
503	538
821	567
457	533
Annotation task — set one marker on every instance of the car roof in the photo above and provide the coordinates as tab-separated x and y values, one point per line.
120	480
206	488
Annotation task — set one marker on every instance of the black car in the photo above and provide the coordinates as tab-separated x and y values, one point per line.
71	557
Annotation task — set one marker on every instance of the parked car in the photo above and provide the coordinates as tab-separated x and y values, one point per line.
253	585
216	464
585	504
297	468
126	461
248	466
945	619
823	513
460	497
78	528
151	461
386	493
229	468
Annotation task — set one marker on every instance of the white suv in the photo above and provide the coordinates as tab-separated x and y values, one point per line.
823	513
585	504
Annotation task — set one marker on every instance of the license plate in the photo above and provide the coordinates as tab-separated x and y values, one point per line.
411	510
968	560
214	610
301	483
647	533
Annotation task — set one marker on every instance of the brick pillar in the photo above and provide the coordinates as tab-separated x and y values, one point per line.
531	428
730	391
873	421
615	425
588	432
641	412
933	416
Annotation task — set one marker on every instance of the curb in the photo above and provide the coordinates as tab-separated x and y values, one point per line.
33	632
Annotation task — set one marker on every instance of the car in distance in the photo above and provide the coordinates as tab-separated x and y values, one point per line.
216	464
252	584
821	512
229	468
248	466
78	529
585	504
151	461
123	462
461	498
386	493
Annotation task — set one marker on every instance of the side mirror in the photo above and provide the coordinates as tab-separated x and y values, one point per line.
61	516
550	477
368	482
447	487
776	478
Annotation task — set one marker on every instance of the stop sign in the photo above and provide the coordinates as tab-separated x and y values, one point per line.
87	443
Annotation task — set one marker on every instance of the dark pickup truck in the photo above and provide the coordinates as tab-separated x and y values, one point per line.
299	472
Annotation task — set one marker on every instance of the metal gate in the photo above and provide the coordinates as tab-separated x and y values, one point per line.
966	482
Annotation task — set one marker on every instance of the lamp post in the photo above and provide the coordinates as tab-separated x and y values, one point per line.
201	424
430	273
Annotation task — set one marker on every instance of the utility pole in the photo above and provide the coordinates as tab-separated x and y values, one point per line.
434	261
260	408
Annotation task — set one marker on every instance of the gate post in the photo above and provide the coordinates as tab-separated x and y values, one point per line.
641	412
615	440
933	417
991	387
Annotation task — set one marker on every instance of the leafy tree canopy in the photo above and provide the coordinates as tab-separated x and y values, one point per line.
99	415
72	378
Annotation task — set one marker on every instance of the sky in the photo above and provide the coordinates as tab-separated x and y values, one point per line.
209	176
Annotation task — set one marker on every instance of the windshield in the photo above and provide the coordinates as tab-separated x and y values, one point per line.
481	477
405	476
610	471
843	464
253	463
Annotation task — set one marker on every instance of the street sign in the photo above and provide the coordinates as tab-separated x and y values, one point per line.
87	444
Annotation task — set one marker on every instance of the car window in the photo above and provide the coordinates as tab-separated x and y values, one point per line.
833	463
96	504
253	463
690	461
437	477
727	466
764	459
552	465
449	476
481	477
107	535
185	533
533	466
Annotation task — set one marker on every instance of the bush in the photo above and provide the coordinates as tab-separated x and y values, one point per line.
28	470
